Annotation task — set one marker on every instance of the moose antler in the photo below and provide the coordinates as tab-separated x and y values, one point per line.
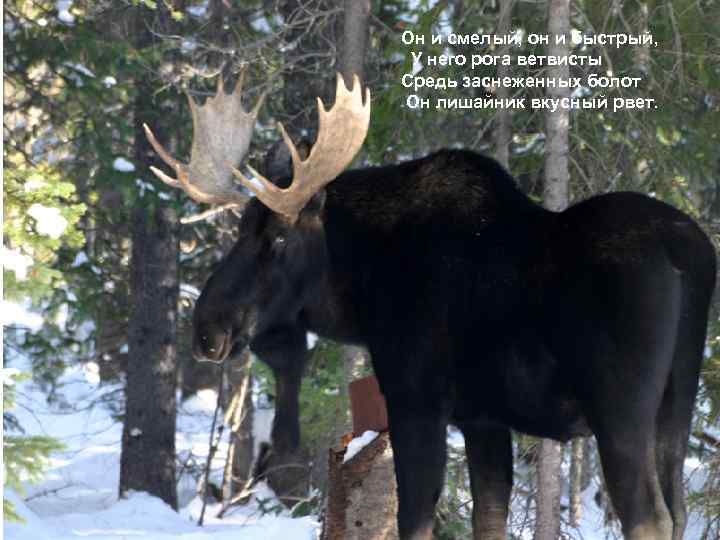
341	133
222	130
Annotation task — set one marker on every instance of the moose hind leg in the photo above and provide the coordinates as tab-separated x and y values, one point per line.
671	447
675	417
490	462
628	462
419	448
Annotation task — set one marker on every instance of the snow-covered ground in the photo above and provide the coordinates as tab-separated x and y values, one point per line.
78	496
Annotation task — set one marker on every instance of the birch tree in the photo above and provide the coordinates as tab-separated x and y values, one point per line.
555	197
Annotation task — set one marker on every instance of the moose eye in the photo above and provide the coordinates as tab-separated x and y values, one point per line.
279	240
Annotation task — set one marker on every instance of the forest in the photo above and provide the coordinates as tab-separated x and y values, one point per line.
111	426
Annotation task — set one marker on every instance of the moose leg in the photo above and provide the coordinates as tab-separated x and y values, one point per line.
671	447
674	419
418	438
628	462
284	349
284	466
490	462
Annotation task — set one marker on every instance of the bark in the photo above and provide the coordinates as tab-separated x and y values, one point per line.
547	526
362	497
503	124
555	196
351	59
239	419
354	362
555	193
588	466
577	462
147	461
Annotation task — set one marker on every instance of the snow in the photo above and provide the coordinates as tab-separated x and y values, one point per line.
76	71
417	66
80	259
358	443
48	220
256	183
141	515
80	68
16	261
63	7
455	438
14	314
189	291
62	315
199	10
123	165
78	497
188	45
264	24
144	186
33	183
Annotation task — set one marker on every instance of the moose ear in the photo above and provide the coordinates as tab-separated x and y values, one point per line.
278	163
303	149
315	205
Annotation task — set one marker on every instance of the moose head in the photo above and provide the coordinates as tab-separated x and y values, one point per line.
277	262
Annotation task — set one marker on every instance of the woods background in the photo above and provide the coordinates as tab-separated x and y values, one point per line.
93	242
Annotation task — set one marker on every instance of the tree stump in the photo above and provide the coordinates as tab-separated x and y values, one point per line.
362	492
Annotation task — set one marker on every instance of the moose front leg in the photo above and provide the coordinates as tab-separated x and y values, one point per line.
490	463
418	438
285	351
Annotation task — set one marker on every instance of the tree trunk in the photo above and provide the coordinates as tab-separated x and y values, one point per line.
147	461
362	494
577	462
502	131
555	192
351	60
547	526
555	196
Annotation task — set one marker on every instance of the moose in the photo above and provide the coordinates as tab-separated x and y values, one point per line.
479	307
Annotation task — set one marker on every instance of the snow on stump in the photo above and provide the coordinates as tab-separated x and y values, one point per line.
362	493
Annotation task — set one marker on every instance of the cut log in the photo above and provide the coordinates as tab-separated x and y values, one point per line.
362	494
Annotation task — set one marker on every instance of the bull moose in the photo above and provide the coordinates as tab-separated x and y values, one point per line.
479	308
